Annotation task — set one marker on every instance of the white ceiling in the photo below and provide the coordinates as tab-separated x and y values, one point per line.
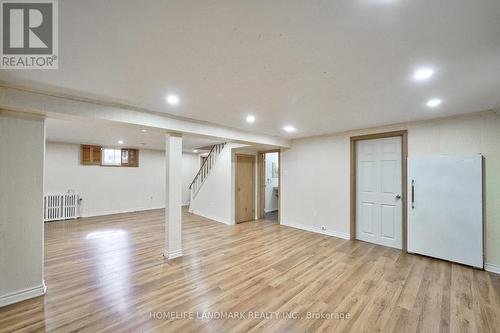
108	134
322	66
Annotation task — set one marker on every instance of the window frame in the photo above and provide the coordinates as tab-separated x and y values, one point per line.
129	157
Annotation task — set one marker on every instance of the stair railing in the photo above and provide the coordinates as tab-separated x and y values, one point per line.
205	168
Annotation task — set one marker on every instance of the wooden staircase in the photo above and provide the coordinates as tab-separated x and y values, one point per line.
205	168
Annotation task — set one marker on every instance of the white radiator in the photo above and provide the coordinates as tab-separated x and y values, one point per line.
60	206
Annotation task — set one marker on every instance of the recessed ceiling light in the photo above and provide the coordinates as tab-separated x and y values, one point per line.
423	74
289	128
432	103
120	142
195	151
250	119
144	130
173	99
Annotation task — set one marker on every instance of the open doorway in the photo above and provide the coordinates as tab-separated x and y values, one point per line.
269	185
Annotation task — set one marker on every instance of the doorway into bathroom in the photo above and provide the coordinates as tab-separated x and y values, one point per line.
269	185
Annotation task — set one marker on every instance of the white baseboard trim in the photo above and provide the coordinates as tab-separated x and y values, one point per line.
492	268
270	210
22	295
213	218
112	212
318	230
173	254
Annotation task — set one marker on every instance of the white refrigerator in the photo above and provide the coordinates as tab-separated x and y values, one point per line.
445	207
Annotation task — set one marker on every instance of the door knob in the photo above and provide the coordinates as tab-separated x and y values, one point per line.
398	196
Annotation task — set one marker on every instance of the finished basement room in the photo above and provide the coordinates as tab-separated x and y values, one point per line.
250	166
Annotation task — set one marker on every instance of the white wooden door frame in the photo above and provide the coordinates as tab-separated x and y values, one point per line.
404	156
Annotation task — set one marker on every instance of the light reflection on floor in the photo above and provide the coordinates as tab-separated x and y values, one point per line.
105	234
111	254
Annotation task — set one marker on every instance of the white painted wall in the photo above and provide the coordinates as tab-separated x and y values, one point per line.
22	142
315	184
215	199
109	190
316	187
271	201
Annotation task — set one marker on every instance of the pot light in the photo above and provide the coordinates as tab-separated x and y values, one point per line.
195	151
435	102
289	128
144	130
120	142
423	74
173	99
250	119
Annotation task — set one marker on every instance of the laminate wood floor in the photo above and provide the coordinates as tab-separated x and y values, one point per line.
107	274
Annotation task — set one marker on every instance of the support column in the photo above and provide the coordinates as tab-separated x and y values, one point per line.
173	196
22	151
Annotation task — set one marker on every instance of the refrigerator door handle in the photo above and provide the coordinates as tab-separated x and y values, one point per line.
412	194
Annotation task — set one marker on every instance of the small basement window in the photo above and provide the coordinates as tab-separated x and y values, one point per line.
96	155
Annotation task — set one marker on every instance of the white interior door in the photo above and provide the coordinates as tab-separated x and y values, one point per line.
379	204
445	210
